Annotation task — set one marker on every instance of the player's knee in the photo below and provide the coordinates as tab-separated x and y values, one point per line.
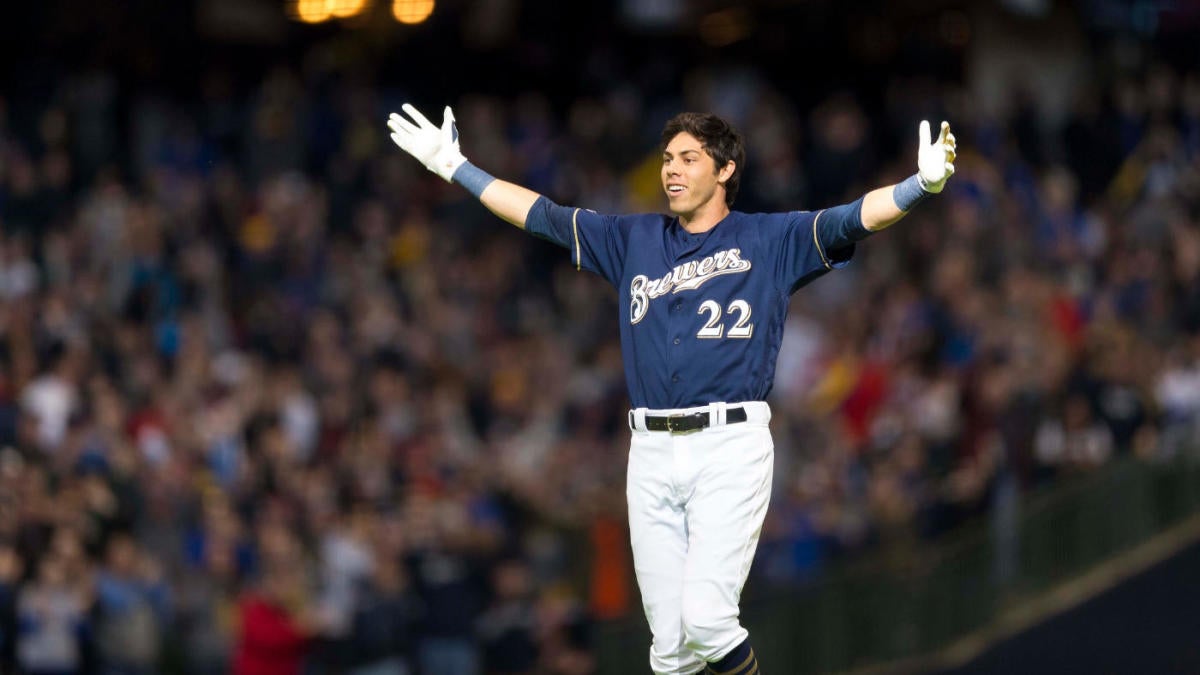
709	624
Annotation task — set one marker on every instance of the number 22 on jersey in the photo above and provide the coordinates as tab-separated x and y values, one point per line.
714	327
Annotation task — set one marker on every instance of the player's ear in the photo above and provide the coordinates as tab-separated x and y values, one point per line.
726	171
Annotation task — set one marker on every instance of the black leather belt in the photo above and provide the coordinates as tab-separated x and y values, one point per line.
681	424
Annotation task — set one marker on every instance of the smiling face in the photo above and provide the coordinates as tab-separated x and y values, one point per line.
693	184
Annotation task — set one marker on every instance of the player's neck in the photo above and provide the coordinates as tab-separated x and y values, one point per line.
703	219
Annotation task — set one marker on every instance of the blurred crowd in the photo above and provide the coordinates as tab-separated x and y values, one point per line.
275	399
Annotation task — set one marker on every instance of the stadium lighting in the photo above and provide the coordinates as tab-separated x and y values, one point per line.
319	11
412	11
311	11
342	9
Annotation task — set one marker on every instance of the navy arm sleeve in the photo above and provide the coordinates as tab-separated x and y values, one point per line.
839	228
817	242
596	242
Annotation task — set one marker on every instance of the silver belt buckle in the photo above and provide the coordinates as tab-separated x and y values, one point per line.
675	430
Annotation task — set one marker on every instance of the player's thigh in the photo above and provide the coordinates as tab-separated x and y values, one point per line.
657	525
649	488
729	505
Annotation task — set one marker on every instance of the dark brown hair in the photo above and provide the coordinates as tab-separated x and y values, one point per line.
720	140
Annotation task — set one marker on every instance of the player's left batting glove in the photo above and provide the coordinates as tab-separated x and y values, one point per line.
935	161
436	148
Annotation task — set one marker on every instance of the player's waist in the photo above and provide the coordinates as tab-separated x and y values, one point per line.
688	420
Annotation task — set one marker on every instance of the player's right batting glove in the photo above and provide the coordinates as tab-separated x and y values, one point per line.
935	161
436	148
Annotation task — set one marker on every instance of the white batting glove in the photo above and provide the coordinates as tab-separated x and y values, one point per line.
436	148
935	161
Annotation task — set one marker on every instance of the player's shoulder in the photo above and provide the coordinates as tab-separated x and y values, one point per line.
769	217
773	221
648	219
642	223
623	222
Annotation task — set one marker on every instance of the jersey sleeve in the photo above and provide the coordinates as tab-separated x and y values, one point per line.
596	242
815	242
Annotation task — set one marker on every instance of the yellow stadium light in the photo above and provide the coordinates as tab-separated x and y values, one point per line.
412	11
311	11
342	9
319	11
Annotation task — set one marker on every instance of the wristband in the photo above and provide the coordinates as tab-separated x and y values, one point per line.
909	192
473	178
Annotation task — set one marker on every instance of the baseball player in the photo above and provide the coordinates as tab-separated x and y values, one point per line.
703	298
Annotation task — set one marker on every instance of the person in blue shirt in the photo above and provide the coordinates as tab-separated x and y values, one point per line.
703	298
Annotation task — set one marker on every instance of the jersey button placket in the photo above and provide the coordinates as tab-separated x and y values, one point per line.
675	307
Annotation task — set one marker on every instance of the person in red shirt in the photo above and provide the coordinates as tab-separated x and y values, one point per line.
276	623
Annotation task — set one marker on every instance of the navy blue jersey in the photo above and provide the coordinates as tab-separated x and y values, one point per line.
702	315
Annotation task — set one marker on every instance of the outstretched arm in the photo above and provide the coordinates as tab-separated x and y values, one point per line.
935	164
509	201
437	148
841	226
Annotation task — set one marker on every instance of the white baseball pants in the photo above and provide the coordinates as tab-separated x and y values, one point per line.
696	507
